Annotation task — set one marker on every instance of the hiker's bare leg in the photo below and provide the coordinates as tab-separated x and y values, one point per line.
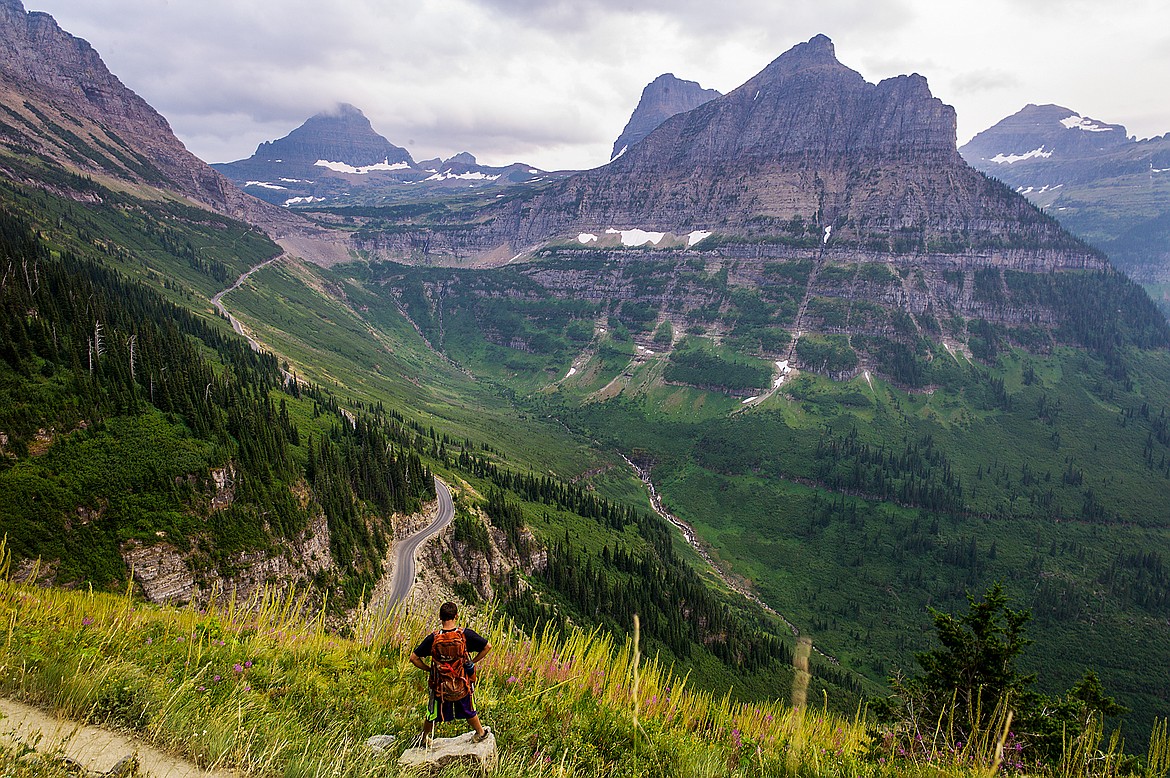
428	728
474	722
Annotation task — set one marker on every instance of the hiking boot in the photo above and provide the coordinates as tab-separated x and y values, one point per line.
487	731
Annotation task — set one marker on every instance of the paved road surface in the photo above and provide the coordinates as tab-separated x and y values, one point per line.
404	566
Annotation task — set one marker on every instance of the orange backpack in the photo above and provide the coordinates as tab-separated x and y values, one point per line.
449	680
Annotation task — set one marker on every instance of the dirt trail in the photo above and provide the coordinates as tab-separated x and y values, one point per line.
95	749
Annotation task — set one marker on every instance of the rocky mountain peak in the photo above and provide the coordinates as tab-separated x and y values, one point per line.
1038	133
342	134
817	51
805	104
462	158
664	97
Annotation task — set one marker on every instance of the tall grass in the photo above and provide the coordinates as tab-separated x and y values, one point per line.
267	686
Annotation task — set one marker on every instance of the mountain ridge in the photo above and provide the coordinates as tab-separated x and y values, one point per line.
95	122
336	158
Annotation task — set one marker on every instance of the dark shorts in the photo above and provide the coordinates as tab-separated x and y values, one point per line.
449	711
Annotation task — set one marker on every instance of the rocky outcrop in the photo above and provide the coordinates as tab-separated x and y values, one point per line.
664	97
450	562
167	575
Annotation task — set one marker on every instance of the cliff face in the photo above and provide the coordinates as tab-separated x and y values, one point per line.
61	102
664	97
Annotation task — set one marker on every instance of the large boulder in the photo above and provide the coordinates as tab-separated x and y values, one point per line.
444	751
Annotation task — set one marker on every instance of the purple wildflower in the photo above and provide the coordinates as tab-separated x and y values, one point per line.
513	679
248	663
239	668
217	679
86	621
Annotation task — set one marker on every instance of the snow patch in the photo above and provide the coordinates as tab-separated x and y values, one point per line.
265	185
782	366
757	97
533	170
295	181
697	236
623	151
586	238
750	399
299	200
473	176
637	237
1159	169
1011	159
572	372
1075	122
341	167
828	232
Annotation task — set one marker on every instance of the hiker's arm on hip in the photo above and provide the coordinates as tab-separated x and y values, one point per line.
419	663
481	653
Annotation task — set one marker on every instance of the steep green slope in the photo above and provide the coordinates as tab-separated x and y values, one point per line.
130	421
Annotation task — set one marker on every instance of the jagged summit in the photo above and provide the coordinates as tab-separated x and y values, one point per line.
664	97
807	154
817	51
806	103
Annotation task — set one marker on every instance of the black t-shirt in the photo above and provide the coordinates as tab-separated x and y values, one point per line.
475	642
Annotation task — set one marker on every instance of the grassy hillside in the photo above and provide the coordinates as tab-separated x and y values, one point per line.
263	687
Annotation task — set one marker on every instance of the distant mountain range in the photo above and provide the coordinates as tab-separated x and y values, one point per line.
1108	188
337	158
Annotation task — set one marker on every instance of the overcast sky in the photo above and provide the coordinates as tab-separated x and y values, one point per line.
552	83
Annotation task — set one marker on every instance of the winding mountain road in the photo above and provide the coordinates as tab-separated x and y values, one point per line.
405	550
217	301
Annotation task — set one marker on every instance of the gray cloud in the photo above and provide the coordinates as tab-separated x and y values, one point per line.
983	80
552	82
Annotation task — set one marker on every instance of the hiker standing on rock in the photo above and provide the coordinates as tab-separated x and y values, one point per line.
452	672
